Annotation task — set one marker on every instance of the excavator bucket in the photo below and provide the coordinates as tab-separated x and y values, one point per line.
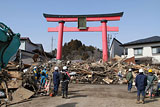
9	44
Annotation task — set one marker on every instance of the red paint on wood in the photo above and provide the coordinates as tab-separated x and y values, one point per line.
60	40
104	41
55	19
89	29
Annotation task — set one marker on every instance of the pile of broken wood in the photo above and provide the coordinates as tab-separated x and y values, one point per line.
13	77
12	84
105	73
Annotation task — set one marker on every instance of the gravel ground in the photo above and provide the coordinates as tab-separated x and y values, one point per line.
87	95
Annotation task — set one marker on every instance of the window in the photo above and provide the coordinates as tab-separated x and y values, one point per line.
126	51
138	51
156	50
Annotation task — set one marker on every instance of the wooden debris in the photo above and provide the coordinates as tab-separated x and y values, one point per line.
21	94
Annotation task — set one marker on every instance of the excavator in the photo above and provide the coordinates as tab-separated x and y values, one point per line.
9	44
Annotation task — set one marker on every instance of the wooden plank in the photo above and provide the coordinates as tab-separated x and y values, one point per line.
21	94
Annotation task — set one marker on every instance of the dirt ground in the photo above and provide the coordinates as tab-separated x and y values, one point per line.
86	95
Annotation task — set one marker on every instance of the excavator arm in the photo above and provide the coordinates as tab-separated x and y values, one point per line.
9	44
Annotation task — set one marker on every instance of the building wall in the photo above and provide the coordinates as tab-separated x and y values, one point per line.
116	49
147	52
22	46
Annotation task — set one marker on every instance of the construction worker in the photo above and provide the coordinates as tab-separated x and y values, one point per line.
150	79
44	75
129	78
65	77
141	83
120	75
35	74
158	88
56	80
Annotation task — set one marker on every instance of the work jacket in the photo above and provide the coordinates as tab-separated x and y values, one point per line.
65	77
56	77
141	81
129	77
44	73
150	79
35	73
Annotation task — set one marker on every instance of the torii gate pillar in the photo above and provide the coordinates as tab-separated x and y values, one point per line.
60	40
104	40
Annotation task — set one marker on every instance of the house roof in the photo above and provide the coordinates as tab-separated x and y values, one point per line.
27	39
153	39
114	39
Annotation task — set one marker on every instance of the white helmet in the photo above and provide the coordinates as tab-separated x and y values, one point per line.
64	68
130	69
35	67
140	70
158	81
56	68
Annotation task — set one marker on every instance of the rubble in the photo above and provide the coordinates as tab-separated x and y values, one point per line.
18	83
21	94
106	73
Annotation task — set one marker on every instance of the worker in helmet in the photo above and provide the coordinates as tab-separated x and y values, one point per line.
35	74
56	80
65	77
129	78
158	88
44	76
141	83
150	79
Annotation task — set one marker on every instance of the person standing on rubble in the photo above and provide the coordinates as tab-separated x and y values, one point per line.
158	88
65	77
150	79
141	83
56	80
35	74
129	78
44	75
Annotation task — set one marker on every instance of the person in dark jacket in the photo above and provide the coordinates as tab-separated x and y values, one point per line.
56	80
141	83
65	77
129	78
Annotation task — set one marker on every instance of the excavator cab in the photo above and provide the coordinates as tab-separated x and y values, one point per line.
9	44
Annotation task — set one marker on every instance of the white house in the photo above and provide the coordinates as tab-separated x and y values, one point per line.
116	48
144	49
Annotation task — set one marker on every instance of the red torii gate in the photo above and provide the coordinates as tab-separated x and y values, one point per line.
75	18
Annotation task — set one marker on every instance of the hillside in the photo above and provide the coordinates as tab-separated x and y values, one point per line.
75	50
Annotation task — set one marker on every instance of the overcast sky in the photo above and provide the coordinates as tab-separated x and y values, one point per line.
140	19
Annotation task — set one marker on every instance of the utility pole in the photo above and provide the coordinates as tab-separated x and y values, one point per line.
52	44
109	39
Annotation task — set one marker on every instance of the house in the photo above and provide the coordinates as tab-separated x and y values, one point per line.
28	50
116	48
144	50
29	46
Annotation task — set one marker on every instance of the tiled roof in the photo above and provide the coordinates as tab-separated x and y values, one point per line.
153	39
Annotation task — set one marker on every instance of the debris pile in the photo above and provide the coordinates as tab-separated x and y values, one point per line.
106	73
18	80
